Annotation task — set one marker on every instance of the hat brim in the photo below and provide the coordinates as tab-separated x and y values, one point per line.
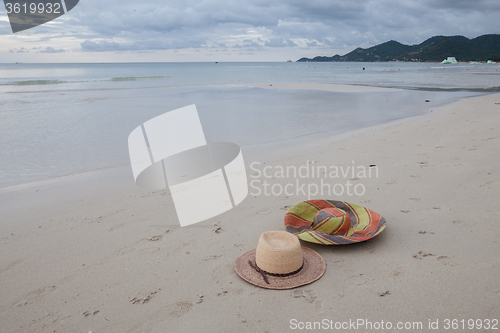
365	223
314	268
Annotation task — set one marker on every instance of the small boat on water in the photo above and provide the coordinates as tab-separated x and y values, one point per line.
288	61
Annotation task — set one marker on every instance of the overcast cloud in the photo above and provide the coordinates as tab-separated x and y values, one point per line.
244	30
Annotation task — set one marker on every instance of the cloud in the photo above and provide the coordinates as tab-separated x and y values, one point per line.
249	44
312	44
101	46
19	50
142	45
280	42
49	49
343	22
267	27
128	26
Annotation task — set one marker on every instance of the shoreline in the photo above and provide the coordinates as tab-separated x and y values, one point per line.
269	148
326	87
85	259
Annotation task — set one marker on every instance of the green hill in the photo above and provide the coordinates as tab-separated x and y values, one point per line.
489	43
436	48
323	59
381	52
447	47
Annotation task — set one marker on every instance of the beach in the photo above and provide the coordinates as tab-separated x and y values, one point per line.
94	252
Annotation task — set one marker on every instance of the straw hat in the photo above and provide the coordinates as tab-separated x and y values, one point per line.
333	222
279	262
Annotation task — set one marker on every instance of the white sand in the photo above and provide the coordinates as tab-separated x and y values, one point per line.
93	252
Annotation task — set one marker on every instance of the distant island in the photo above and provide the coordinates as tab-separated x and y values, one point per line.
435	49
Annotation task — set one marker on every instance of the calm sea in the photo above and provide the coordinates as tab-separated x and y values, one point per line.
60	119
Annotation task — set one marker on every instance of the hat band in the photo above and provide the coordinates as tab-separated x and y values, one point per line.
264	273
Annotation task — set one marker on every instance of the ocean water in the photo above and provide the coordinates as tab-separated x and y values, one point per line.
61	119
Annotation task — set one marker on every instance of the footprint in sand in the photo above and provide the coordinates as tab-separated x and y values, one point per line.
422	254
150	250
179	309
148	194
122	225
145	299
212	257
360	280
489	215
222	273
383	293
125	250
492	138
90	313
398	272
445	260
35	296
11	265
155	238
222	293
310	296
264	212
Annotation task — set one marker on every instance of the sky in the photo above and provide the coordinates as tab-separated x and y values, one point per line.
217	30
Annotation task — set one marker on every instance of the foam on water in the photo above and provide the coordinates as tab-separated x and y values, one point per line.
46	82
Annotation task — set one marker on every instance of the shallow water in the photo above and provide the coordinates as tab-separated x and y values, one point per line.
65	119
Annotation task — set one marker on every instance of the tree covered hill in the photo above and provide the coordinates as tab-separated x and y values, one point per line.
437	48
